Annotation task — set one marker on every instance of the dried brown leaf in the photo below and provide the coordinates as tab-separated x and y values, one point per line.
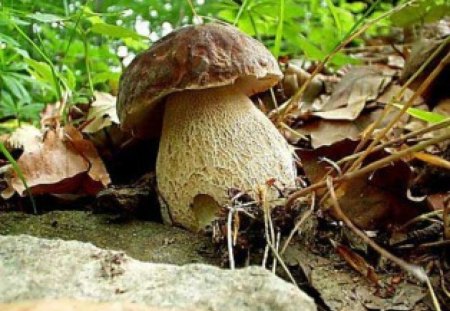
102	113
371	201
357	262
25	136
61	162
359	86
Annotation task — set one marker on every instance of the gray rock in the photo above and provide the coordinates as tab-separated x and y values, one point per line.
151	241
34	268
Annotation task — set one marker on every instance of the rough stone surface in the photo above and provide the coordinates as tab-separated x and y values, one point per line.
143	240
33	268
77	305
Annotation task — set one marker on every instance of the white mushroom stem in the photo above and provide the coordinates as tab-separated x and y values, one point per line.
213	140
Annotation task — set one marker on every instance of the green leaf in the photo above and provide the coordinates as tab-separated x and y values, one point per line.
341	59
45	17
40	70
16	88
417	12
69	79
423	115
91	16
279	33
105	76
243	7
8	40
114	31
137	45
31	111
311	51
437	12
334	13
7	107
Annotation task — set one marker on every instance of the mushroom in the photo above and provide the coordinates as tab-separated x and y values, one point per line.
192	88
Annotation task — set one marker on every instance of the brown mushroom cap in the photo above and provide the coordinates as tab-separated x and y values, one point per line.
193	57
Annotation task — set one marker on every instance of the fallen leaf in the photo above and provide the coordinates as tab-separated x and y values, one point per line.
436	201
97	171
372	201
357	262
102	113
325	132
26	135
328	132
358	87
60	161
421	52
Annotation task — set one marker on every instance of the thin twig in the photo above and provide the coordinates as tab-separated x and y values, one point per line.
269	234
369	168
417	271
299	223
443	287
434	299
289	105
402	111
368	133
266	255
402	138
421	217
282	263
230	238
442	243
277	247
191	6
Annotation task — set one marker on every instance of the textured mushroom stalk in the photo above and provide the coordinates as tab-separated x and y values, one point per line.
213	140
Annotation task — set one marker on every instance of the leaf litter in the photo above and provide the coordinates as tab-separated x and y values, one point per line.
335	123
330	130
56	161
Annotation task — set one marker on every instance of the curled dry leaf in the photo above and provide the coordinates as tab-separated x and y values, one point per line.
356	103
102	113
328	132
26	135
372	201
358	87
357	262
97	171
325	132
421	52
59	161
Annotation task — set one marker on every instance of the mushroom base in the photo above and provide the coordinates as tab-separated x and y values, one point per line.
213	140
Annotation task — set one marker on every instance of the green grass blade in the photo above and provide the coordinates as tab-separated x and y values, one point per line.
334	13
242	8
431	117
279	34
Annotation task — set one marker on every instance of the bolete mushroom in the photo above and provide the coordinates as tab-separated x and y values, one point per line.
197	81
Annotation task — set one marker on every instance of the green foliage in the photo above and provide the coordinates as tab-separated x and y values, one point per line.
422	11
294	27
427	116
54	50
